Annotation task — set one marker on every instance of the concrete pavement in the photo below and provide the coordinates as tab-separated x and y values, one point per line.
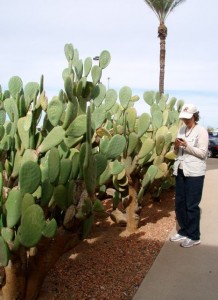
188	273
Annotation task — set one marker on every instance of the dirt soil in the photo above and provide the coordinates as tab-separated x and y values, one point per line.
112	263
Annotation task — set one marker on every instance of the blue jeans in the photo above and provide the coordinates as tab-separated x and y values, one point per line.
188	196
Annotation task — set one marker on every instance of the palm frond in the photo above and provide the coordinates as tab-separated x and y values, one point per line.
162	8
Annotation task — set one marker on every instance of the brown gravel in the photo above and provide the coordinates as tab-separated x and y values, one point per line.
112	263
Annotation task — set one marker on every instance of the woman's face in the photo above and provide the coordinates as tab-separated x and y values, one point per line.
189	122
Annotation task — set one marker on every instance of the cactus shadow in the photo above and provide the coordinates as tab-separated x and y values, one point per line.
156	210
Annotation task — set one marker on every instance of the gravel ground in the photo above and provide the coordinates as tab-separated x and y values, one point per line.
112	263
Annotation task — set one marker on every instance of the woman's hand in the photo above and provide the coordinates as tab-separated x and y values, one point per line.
179	143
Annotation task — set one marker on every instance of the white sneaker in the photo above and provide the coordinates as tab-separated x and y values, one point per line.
187	243
177	237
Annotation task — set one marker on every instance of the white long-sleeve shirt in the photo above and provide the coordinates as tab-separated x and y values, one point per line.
193	158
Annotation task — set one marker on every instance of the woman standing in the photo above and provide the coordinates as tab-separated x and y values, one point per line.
191	146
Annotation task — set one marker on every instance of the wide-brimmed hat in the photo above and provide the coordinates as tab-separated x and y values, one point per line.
187	111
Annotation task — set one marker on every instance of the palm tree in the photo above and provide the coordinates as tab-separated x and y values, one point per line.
162	8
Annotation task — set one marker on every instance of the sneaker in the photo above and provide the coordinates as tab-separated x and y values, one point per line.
187	243
177	237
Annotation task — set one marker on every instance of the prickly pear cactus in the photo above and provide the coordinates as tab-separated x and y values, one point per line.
57	156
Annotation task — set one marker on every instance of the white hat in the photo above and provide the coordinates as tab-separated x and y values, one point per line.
187	111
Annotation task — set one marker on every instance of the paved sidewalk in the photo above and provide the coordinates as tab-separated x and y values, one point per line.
188	273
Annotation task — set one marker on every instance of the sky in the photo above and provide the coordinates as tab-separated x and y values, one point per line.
33	35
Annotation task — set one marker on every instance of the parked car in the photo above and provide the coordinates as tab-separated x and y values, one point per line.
213	147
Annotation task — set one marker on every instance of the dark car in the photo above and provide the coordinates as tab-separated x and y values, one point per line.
213	147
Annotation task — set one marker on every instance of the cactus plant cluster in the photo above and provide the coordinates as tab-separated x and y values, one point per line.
57	156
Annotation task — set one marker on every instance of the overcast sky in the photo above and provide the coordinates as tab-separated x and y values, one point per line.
33	35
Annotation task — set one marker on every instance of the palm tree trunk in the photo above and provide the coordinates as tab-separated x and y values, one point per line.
162	34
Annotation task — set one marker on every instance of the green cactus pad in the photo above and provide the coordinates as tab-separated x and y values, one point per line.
2	117
104	59
13	207
15	86
101	163
146	180
53	164
70	192
152	171
71	113
168	140
116	146
165	117
96	73
143	123
65	170
98	94
116	199
11	109
98	206
70	141
131	119
55	110
170	155
50	228
29	177
7	234
110	99
60	196
162	171
158	160
17	165
174	130
30	154
160	144
32	225
121	176
27	201
147	147
98	116
157	119
1	186
116	167
23	134
31	91
133	141
90	171
54	138
79	69
4	253
69	51
162	131
105	176
68	85
125	95
47	192
87	66
179	105
162	104
149	97
75	166
78	127
173	116
172	102
2	131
